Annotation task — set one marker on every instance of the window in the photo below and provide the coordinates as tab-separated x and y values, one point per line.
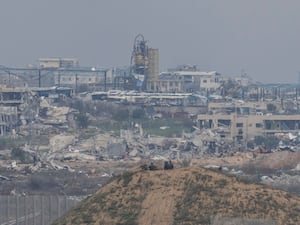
239	125
204	81
258	125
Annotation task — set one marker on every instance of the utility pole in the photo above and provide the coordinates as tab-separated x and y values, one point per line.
39	77
17	210
9	84
76	80
58	79
105	80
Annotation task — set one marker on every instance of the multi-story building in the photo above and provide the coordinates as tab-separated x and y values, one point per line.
198	80
58	62
8	119
186	79
76	77
12	101
239	107
244	127
166	83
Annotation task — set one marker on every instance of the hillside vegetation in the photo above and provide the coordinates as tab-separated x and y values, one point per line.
189	195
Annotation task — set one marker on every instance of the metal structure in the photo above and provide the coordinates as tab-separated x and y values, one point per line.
34	209
139	61
48	77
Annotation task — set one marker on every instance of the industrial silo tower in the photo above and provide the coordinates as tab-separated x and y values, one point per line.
144	63
139	60
152	74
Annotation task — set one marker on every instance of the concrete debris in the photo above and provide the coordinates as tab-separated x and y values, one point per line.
212	167
66	144
286	181
60	142
297	167
133	153
235	172
3	178
12	165
105	175
75	156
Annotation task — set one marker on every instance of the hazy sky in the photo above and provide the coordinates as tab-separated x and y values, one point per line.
261	37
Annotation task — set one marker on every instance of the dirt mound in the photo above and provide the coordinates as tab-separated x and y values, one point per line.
284	160
183	196
279	160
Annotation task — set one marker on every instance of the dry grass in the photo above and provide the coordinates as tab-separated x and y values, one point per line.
182	196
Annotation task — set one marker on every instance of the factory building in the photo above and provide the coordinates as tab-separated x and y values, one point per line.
144	71
144	66
55	63
100	79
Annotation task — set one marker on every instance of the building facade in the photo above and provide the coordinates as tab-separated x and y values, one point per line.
186	81
246	127
58	62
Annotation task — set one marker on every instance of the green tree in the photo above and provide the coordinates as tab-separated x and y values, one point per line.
17	153
138	114
121	115
82	120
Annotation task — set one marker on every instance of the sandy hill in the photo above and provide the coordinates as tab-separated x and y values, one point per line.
184	196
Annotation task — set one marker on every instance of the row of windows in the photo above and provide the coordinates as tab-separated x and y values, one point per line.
171	84
78	79
257	125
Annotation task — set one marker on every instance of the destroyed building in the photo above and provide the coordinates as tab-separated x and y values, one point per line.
8	120
13	101
243	121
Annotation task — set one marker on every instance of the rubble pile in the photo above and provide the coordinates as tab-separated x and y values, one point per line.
284	181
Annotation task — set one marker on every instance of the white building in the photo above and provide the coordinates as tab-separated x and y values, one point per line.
58	62
83	76
198	80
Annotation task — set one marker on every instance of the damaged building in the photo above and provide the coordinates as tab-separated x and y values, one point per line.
245	127
8	120
12	102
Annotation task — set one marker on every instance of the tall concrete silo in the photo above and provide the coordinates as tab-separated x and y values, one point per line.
153	67
144	65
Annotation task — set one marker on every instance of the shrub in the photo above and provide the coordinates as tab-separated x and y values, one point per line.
127	177
82	120
120	115
138	114
18	154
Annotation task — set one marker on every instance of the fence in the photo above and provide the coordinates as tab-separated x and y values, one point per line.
239	221
34	209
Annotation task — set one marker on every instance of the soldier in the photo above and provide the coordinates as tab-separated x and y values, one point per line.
168	165
171	165
152	166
